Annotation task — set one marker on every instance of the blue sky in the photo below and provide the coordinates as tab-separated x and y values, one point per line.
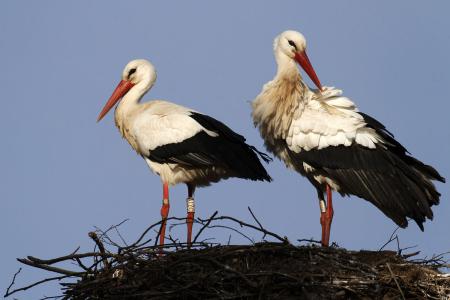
62	173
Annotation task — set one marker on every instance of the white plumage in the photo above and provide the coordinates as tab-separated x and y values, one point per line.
329	119
163	123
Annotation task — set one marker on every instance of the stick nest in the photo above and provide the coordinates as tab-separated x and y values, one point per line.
261	270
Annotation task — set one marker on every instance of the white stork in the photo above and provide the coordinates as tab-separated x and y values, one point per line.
179	144
323	136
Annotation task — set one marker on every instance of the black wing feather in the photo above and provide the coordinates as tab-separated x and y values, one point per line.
398	149
227	150
215	125
190	152
397	183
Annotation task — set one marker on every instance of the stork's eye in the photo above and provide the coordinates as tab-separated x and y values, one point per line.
292	44
132	71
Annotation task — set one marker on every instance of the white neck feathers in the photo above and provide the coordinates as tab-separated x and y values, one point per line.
132	98
287	68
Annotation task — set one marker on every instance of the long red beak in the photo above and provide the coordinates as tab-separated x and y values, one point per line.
122	88
304	62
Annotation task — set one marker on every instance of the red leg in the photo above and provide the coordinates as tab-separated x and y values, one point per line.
190	204
326	217
164	213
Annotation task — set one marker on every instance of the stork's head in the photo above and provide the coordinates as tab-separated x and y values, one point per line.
138	73
139	70
292	45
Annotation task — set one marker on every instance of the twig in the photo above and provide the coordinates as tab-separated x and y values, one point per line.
242	223
67	257
309	241
437	259
50	268
170	227
120	236
8	293
113	227
396	282
408	255
177	244
159	232
257	221
400	250
12	283
205	226
391	238
80	263
52	297
97	241
235	230
141	237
